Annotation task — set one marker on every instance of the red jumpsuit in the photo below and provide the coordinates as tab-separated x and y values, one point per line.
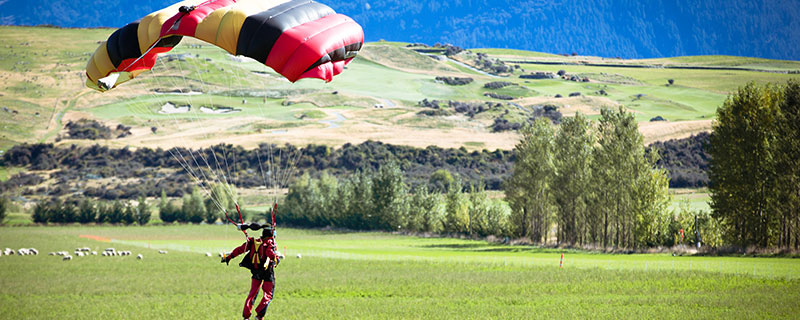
261	266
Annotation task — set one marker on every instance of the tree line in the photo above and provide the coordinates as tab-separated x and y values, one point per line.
755	168
380	199
243	168
85	211
197	206
593	181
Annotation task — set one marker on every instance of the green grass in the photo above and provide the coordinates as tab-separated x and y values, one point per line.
8	172
514	52
695	199
42	67
377	276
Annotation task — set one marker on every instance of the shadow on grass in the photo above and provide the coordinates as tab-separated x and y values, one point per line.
487	247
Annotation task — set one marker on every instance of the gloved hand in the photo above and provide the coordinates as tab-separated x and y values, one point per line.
226	259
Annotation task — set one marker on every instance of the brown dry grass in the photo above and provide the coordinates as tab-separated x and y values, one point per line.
666	130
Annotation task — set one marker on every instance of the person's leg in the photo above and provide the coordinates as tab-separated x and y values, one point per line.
248	304
269	289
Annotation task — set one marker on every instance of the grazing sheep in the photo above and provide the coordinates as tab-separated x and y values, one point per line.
79	253
34	251
208	254
105	254
66	258
299	256
139	256
162	251
51	254
22	252
94	253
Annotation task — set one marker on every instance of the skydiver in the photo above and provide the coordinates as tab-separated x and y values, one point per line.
261	258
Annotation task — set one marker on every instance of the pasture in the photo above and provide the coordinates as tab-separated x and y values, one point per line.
347	275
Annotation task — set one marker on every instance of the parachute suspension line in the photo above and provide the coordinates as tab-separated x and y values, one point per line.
141	106
224	181
216	176
178	155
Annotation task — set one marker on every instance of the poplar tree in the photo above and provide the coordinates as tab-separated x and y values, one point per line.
742	170
529	189
787	160
572	182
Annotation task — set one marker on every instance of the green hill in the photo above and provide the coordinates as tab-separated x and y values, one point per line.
377	98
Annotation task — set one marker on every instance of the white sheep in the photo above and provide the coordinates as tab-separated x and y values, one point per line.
162	251
139	256
79	253
208	254
94	253
66	258
299	256
34	251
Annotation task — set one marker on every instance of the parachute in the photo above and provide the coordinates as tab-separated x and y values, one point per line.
298	39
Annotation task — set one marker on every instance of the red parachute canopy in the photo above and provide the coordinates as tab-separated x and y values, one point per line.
298	39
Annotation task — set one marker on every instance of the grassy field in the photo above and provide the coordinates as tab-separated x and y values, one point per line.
42	76
377	275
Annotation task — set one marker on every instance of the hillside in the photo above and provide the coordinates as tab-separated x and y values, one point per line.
611	28
385	95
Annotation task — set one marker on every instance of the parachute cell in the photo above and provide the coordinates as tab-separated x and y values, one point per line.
298	38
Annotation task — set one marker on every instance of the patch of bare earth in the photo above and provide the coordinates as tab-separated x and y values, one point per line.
666	130
587	105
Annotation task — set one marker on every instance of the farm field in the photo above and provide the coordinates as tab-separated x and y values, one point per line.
377	98
376	275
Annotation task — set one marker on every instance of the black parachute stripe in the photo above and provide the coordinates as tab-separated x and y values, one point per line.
343	53
260	31
168	42
124	44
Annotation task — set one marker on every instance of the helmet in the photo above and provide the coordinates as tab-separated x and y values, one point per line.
267	232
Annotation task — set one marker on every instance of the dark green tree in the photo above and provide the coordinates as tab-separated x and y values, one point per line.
389	198
103	212
41	212
456	219
69	213
116	212
571	189
787	159
166	211
129	216
529	189
142	212
742	169
86	211
3	209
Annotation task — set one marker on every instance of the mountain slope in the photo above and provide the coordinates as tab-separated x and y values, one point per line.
610	28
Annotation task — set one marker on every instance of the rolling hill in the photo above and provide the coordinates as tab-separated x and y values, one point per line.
380	97
611	28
